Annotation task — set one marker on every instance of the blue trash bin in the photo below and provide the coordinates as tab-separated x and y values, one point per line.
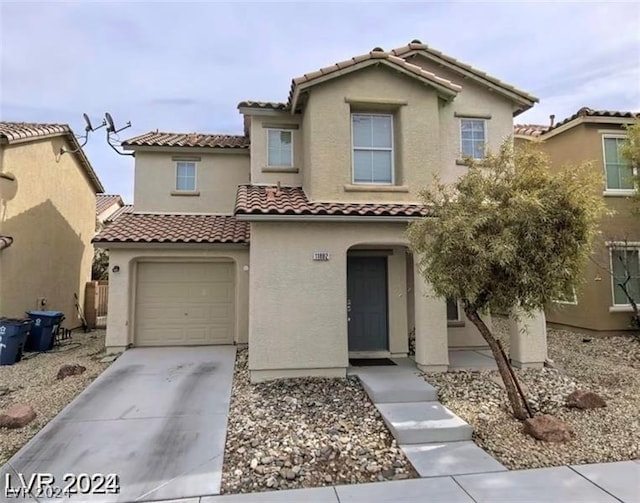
44	327
13	335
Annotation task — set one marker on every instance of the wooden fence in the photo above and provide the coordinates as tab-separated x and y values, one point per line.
96	301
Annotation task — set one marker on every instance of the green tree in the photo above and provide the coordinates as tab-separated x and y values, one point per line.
508	234
630	151
100	265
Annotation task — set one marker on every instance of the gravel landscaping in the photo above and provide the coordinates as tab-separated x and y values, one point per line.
310	432
33	382
607	365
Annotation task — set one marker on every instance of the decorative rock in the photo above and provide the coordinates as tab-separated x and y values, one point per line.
70	370
290	475
328	479
387	474
254	464
547	428
109	358
582	399
372	468
271	482
17	416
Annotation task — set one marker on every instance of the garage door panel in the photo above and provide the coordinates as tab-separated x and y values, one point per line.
185	304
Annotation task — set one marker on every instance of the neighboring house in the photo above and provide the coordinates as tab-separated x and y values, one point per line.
47	209
107	205
291	237
594	136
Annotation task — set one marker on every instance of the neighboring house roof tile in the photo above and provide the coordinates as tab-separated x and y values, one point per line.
105	201
170	228
533	130
16	132
416	46
376	54
123	210
160	139
589	112
267	105
262	200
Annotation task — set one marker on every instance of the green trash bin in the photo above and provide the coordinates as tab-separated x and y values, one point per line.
13	335
44	327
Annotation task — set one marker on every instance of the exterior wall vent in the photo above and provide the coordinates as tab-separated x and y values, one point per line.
321	256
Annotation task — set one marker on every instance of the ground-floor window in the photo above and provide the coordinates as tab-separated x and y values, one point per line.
453	310
625	268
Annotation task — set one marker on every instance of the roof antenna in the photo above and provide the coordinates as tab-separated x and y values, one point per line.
111	130
88	128
552	120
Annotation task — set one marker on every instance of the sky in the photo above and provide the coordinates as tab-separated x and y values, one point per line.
184	66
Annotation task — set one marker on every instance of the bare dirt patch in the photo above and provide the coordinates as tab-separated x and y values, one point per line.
33	381
296	433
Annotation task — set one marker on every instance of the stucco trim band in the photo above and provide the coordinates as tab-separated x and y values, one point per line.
325	218
350	187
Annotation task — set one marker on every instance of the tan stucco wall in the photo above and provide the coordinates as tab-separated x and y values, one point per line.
472	100
584	143
261	173
298	317
426	132
122	285
52	220
217	179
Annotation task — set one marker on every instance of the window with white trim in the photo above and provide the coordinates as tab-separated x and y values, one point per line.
473	138
186	176
453	309
280	148
618	170
568	297
372	141
625	267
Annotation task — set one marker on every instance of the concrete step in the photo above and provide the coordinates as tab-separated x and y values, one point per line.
423	423
395	385
450	458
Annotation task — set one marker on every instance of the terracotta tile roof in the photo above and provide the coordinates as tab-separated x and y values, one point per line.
159	139
376	54
261	200
170	228
417	46
123	210
15	132
104	201
266	105
589	112
533	130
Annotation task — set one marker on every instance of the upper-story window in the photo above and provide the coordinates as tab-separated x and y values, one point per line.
473	135
372	136
618	170
280	148
186	176
625	265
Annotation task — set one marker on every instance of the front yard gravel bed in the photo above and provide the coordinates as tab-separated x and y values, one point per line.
33	382
310	432
607	365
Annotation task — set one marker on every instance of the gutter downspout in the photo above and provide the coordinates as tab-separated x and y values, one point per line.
5	242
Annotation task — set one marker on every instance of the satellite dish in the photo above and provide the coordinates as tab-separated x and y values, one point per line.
87	121
111	128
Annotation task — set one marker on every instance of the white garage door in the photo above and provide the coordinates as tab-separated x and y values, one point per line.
184	304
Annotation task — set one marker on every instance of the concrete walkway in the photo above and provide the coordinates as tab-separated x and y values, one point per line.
157	417
597	483
435	440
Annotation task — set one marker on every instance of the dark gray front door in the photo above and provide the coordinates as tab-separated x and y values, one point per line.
367	303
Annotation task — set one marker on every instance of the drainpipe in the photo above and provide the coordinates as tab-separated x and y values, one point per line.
5	242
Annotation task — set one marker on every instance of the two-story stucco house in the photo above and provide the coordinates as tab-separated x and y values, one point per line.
595	136
291	236
47	216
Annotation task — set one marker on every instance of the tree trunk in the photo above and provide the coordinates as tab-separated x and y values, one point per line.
503	365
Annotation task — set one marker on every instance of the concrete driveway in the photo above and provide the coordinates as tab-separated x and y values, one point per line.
157	418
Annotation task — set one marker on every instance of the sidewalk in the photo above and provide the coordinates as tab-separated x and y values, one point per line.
596	483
